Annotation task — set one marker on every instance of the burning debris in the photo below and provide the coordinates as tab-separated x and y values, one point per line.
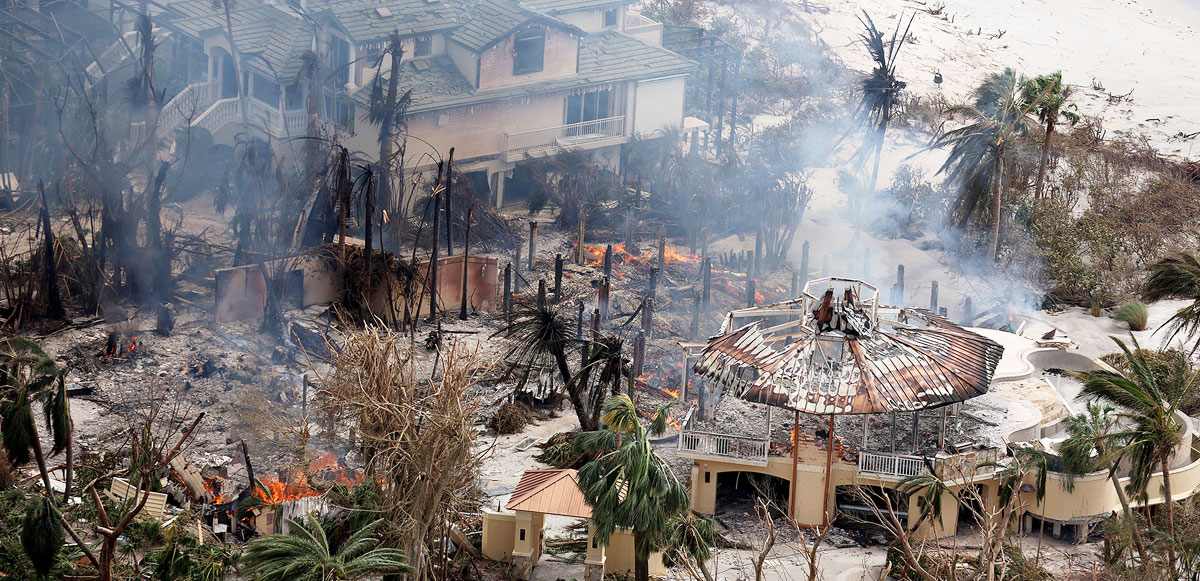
119	346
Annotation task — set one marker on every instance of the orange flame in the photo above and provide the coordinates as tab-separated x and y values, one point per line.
622	256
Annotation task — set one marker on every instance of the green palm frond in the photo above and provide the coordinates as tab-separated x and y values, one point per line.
1177	277
42	533
58	417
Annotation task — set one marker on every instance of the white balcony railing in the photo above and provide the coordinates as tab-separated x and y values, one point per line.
693	443
892	465
573	135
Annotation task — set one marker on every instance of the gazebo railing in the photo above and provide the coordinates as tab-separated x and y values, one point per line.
697	444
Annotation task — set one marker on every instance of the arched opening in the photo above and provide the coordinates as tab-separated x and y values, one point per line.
860	507
223	71
739	492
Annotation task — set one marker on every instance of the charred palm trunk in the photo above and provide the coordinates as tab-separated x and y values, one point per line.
162	260
387	129
368	242
997	206
54	304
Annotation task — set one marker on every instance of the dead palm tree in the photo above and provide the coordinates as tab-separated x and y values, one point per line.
980	150
880	90
600	376
388	111
1179	277
1049	95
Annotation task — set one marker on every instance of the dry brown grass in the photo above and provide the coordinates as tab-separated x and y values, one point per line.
416	434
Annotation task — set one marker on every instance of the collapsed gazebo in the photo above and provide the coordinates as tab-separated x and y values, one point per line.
836	351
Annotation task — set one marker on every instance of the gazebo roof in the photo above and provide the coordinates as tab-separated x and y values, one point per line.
845	357
550	492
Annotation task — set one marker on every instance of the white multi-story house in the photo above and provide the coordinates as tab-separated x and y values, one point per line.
498	80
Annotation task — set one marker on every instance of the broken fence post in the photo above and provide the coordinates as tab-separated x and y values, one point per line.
558	274
541	293
662	251
750	292
506	300
648	317
933	297
532	245
639	354
898	289
582	231
706	264
608	251
603	294
967	314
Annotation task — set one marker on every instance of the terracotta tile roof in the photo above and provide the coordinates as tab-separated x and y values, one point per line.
550	492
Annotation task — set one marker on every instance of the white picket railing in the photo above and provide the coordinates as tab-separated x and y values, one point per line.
574	134
217	115
753	450
893	465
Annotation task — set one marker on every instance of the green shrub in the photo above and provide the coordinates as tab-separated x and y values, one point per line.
1134	314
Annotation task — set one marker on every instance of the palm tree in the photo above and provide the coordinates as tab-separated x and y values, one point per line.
1177	276
27	375
1088	448
628	485
1147	402
607	363
1050	96
980	150
388	110
305	554
540	332
879	90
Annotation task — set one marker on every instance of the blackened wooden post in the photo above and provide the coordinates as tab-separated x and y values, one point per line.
749	292
804	265
541	294
579	323
630	233
532	245
933	297
605	291
517	259
433	256
652	287
596	319
648	317
582	231
795	284
825	266
506	300
608	261
749	263
967	312
462	310
707	296
898	289
449	181
662	252
694	332
703	243
639	354
558	269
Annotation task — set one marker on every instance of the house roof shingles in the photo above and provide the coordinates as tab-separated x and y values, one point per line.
488	21
550	492
555	7
604	57
361	19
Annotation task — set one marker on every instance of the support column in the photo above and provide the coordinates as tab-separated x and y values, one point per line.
594	561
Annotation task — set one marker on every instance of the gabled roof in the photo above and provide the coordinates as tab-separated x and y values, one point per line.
269	39
373	20
487	22
556	7
550	492
604	57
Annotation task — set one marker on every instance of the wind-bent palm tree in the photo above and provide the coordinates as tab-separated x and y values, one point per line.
1147	401
304	554
1177	277
1049	96
1088	448
879	91
980	151
628	485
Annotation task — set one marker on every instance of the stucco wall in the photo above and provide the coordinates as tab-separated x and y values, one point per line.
561	59
659	104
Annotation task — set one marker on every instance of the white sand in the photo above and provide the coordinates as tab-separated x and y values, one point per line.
1148	47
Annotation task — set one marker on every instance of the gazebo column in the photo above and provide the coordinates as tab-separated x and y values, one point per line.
594	561
527	545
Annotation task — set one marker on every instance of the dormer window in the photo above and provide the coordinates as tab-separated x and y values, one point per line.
422	46
610	18
529	50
